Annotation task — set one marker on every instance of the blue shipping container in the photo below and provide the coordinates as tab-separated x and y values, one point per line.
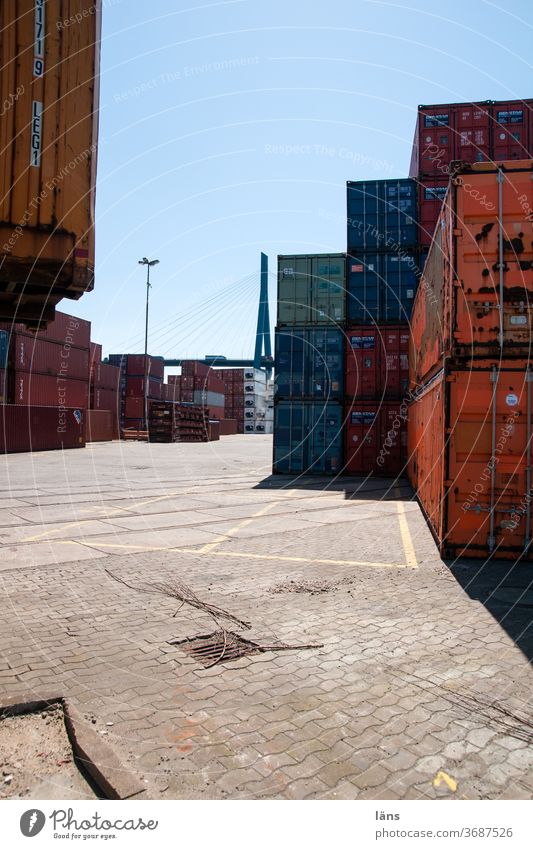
308	438
309	363
381	287
4	348
381	214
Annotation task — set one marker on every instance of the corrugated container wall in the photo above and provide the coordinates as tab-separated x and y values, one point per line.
382	215
49	82
308	438
311	289
309	363
475	297
40	429
381	287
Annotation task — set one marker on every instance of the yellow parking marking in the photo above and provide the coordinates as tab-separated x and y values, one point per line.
46	534
289	559
450	782
405	533
232	531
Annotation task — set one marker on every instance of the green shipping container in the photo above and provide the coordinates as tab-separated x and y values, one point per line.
311	289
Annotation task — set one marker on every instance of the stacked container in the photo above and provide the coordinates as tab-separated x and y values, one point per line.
198	384
308	411
246	399
489	131
49	368
470	417
382	278
140	380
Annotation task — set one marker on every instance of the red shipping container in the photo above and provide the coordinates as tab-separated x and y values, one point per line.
434	140
135	408
194	368
362	372
43	390
377	362
105	376
431	193
102	426
228	427
138	365
30	353
104	399
95	352
472	132
187	396
216	412
375	438
67	329
40	429
174	378
135	387
511	130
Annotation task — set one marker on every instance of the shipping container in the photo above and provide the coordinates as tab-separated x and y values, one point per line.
470	132
30	353
470	459
511	129
40	428
135	387
49	61
475	297
102	425
377	362
309	363
106	376
311	289
65	329
376	438
381	215
228	427
95	354
104	399
308	438
381	287
4	348
44	390
138	365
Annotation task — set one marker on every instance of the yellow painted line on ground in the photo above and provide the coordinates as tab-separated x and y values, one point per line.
232	531
442	776
405	533
46	534
240	554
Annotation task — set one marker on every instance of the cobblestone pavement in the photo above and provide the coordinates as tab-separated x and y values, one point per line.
417	692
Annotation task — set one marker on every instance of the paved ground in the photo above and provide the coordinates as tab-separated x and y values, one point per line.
421	688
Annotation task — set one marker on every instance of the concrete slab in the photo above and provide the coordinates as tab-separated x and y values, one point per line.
44	553
29	533
161	540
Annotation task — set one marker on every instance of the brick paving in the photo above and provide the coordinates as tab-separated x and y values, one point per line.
416	676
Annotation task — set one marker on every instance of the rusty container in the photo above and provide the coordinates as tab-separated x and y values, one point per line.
469	444
49	84
474	298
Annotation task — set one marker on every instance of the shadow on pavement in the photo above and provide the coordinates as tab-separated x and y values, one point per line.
506	590
353	488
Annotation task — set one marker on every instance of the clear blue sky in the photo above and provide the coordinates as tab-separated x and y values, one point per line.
229	128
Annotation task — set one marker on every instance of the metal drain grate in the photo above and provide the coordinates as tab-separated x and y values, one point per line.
218	647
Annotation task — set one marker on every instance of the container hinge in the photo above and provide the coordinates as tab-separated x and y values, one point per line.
529	376
494	376
491	542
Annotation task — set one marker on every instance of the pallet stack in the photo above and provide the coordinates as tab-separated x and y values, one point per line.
175	422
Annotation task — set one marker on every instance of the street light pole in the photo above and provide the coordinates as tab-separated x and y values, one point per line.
148	263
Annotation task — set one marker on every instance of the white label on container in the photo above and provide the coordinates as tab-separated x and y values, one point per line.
511	399
36	133
39	29
519	319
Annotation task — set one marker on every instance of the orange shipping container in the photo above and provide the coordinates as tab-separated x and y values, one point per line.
49	70
474	299
469	444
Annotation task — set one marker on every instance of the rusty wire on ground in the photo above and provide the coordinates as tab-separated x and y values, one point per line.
181	592
223	645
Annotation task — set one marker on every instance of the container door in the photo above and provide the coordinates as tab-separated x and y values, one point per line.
436	146
325	357
510	136
362	438
324	442
294	283
291	358
362	363
329	289
392	453
363	201
488	499
364	283
472	125
288	438
399	286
